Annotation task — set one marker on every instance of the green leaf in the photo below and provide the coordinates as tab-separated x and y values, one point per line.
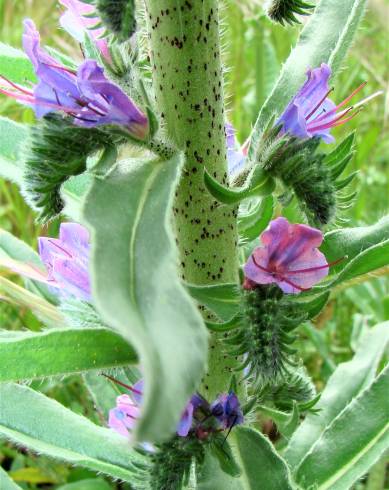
351	443
222	299
350	242
325	39
260	464
15	65
42	309
56	352
12	137
88	484
349	379
253	223
314	306
32	420
6	483
134	260
365	250
211	477
260	184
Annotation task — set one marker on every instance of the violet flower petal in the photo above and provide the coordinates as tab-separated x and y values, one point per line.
309	103
186	420
123	417
288	256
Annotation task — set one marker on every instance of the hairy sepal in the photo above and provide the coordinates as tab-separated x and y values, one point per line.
55	151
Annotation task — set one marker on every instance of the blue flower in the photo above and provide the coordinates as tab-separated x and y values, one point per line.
311	113
226	409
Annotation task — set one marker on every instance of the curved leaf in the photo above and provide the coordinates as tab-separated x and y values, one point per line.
350	242
56	352
259	462
345	383
222	299
252	224
260	465
43	425
325	39
137	290
351	443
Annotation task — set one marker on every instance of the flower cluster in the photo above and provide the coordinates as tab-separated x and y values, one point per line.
199	418
86	94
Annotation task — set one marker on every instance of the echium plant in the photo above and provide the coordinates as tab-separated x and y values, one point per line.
176	286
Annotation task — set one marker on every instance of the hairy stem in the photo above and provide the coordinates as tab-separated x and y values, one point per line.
188	83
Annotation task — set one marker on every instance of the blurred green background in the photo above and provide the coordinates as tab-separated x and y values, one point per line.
254	50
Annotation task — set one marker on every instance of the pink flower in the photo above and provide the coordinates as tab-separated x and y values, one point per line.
123	417
288	257
75	22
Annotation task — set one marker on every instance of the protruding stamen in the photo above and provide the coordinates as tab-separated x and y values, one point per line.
17	87
294	285
343	103
312	269
132	389
337	121
318	105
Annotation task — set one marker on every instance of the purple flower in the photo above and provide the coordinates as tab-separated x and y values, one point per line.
197	415
123	417
66	260
311	113
86	95
226	408
79	19
288	257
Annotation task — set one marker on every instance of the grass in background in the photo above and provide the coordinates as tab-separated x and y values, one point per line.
256	50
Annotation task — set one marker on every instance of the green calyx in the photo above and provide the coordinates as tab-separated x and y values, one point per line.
171	464
118	16
56	150
264	339
284	11
311	175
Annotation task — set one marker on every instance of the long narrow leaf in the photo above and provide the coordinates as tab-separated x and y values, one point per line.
34	421
137	289
57	352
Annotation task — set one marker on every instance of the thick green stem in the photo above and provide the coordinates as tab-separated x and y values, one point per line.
188	83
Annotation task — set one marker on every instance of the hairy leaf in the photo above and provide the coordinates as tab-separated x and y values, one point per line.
32	420
349	379
64	351
351	443
134	260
